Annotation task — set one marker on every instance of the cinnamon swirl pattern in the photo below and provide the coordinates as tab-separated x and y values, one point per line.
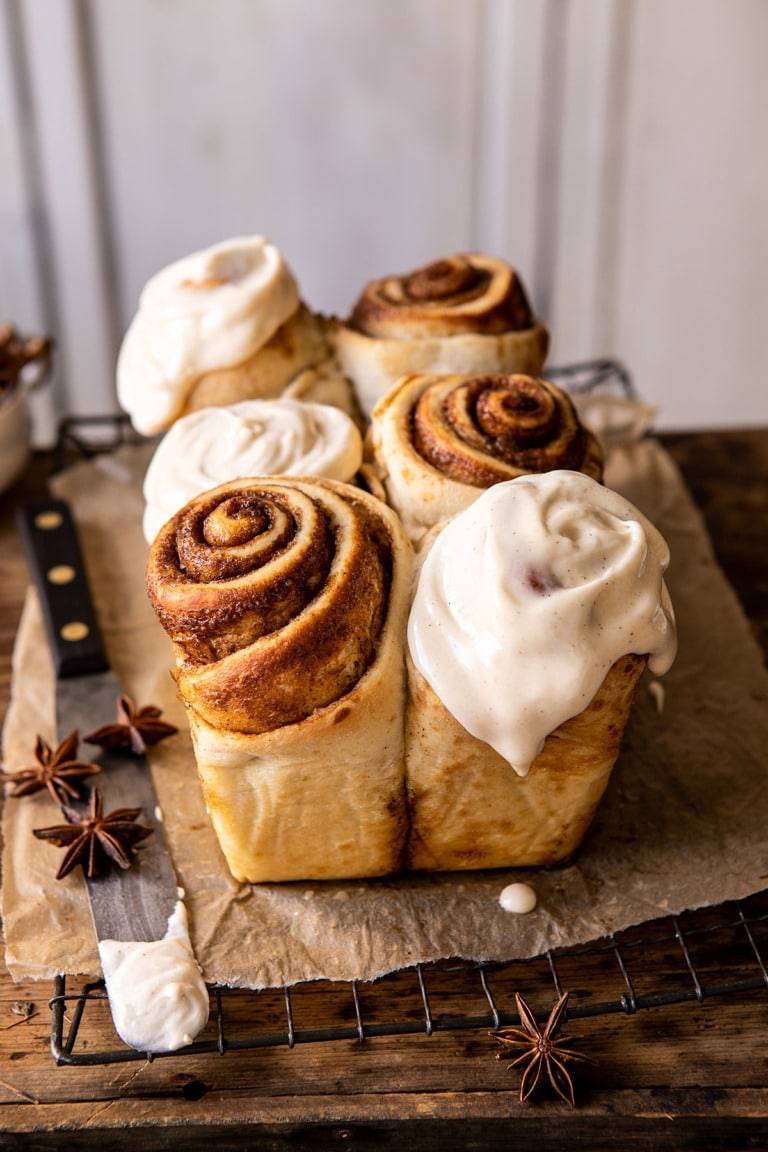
464	313
458	294
439	441
286	602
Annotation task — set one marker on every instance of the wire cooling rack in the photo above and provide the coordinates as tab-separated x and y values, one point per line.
714	952
711	953
85	436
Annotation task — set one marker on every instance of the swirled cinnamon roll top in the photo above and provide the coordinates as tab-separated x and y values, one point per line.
275	593
481	430
464	293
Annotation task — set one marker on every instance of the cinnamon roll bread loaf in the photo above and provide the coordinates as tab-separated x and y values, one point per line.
286	602
465	313
222	325
439	441
536	611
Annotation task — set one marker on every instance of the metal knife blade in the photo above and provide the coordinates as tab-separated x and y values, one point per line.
133	904
125	905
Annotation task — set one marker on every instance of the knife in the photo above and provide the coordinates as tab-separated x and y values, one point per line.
127	905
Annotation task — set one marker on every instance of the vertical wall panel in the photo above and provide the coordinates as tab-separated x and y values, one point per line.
23	296
19	289
58	71
587	68
694	235
610	148
509	133
343	130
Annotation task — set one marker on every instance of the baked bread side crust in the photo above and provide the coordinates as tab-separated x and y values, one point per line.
469	809
374	364
298	344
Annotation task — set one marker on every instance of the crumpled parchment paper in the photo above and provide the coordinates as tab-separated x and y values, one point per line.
683	823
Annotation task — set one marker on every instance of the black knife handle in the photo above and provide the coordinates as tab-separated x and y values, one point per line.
56	563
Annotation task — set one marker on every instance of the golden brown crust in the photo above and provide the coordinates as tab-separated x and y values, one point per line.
468	292
369	479
298	344
274	592
469	809
439	441
467	313
481	430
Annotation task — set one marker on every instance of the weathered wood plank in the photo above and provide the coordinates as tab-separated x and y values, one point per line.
655	1120
681	1047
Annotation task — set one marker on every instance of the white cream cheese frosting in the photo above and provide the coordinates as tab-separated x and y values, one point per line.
157	995
253	438
528	597
213	309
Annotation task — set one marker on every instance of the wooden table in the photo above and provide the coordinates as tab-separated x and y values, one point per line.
687	1076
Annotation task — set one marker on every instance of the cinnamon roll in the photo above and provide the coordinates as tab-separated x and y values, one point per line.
465	313
439	441
536	611
222	325
286	602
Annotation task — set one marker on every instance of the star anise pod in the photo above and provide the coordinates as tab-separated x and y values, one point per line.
135	728
542	1051
57	769
16	352
94	840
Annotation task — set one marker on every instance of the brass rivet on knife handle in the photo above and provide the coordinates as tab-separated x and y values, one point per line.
74	630
58	570
61	574
48	520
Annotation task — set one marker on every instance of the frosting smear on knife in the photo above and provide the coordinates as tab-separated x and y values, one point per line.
528	597
157	995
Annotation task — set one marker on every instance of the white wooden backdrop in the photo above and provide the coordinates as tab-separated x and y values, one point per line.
615	150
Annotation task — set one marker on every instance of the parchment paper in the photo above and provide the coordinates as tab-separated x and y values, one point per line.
682	825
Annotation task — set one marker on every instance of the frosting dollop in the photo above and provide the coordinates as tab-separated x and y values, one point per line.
157	995
213	309
526	600
253	438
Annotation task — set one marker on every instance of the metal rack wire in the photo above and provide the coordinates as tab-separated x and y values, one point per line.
588	375
634	952
740	966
